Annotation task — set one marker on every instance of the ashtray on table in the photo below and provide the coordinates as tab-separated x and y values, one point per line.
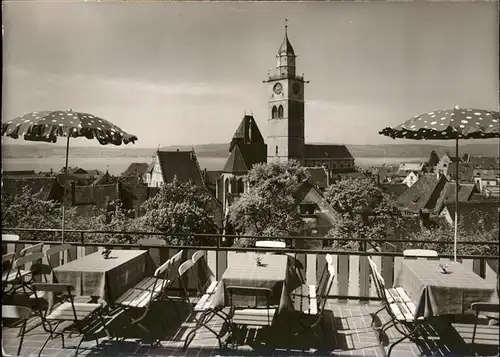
444	269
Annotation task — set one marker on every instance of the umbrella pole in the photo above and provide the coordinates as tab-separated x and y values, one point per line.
65	193
456	202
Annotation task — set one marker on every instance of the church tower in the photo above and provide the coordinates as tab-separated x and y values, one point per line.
285	140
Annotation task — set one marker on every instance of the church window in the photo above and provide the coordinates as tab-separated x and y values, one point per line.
280	111
241	187
226	186
274	112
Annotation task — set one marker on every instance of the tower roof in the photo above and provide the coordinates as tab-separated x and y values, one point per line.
286	47
247	133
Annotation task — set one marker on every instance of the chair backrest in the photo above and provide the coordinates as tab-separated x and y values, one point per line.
184	267
37	248
251	294
174	268
270	244
204	275
20	262
10	237
422	253
16	312
326	286
297	265
56	250
378	281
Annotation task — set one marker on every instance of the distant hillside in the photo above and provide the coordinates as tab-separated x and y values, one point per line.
222	150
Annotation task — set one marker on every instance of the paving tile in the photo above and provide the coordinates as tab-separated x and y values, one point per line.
348	334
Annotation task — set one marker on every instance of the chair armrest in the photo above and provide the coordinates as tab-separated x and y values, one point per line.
485	307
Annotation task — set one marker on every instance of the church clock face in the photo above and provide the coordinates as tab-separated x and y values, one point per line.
296	88
278	88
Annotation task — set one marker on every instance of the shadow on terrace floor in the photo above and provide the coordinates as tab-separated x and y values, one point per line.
348	334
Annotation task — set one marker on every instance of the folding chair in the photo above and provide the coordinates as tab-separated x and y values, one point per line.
86	318
420	253
399	307
149	290
18	276
312	303
37	268
204	310
18	313
255	315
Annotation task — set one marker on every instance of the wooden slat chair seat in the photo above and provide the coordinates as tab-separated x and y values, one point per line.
204	309
398	305
21	313
86	318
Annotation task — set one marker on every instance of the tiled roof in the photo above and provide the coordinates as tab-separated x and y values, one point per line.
235	163
490	174
396	189
244	156
211	176
465	171
448	194
483	162
247	133
469	212
19	173
44	187
182	164
412	166
312	151
136	168
423	193
104	179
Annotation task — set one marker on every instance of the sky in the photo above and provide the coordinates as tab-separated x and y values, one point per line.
186	73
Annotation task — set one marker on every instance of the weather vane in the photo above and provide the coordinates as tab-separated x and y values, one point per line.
286	25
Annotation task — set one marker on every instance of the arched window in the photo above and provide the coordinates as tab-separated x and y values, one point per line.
280	111
226	186
276	150
241	187
274	112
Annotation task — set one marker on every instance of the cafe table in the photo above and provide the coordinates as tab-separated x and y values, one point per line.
275	273
107	279
435	293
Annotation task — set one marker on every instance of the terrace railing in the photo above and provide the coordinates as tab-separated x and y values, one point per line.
352	279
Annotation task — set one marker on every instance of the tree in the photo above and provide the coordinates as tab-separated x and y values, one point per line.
269	208
180	207
365	211
472	228
25	210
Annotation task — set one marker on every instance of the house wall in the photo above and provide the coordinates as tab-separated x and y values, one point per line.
156	178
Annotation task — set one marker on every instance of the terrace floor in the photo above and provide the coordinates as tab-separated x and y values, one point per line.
348	334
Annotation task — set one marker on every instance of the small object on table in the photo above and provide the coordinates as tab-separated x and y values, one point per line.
105	253
444	268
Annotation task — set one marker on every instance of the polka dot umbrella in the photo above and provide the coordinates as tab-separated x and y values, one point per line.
49	125
452	124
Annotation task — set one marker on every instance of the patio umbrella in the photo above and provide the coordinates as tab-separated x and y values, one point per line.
47	126
452	124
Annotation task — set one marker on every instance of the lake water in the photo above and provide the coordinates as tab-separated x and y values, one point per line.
117	165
